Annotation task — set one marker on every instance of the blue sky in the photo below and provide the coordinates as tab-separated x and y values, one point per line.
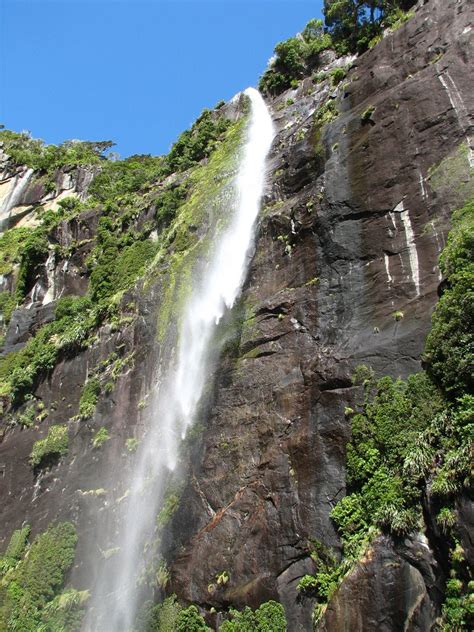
134	71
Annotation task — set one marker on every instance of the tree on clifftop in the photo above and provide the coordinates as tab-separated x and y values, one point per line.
353	23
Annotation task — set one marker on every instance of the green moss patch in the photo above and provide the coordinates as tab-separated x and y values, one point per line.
54	445
188	238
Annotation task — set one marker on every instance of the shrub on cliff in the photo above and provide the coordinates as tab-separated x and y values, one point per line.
196	143
269	617
115	269
55	444
294	57
189	620
34	153
70	332
450	343
27	589
353	24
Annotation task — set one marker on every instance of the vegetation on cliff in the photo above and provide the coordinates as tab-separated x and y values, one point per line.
133	198
353	24
70	332
349	26
34	153
31	578
294	58
411	443
170	616
408	455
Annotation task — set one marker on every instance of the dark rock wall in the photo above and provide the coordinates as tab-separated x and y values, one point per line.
344	242
355	215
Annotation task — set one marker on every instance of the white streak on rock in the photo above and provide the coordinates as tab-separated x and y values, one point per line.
387	268
457	103
50	268
411	245
11	200
422	185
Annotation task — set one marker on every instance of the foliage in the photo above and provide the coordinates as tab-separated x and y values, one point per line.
337	75
354	24
189	620
121	253
168	202
28	591
384	434
326	113
183	245
10	247
308	584
362	375
7	305
116	269
123	191
446	519
18	543
15	548
131	444
28	248
450	344
161	617
89	397
101	436
34	251
222	578
411	438
64	612
163	575
269	617
197	143
366	117
458	608
24	150
20	370
55	444
121	177
328	575
28	416
169	507
294	58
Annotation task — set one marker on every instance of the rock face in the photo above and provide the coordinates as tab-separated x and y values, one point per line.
387	591
356	213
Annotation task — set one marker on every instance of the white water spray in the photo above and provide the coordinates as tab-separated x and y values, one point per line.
175	401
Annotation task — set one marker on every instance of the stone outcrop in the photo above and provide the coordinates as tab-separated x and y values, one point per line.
388	590
356	212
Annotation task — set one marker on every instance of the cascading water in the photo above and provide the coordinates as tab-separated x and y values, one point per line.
177	396
12	199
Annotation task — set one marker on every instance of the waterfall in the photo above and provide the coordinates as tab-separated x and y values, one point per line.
14	196
175	401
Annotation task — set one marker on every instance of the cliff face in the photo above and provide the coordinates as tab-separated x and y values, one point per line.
362	181
354	220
